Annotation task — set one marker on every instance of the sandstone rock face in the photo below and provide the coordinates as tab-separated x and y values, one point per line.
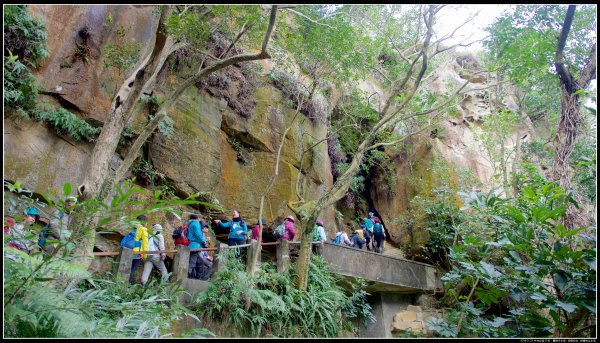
200	157
84	85
213	148
457	144
40	159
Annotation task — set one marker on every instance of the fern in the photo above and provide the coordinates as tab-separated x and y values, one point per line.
64	121
269	304
24	44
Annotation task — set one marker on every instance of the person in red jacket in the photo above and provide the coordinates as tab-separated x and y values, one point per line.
257	228
290	231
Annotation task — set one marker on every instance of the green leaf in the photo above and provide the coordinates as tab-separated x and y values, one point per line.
561	279
67	189
566	306
42	279
560	230
498	322
591	262
538	296
104	221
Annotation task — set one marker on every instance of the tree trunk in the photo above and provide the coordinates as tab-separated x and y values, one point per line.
307	211
99	180
569	111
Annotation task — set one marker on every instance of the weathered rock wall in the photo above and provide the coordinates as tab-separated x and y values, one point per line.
204	153
199	157
456	143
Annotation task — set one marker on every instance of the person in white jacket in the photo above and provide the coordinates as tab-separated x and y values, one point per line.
155	242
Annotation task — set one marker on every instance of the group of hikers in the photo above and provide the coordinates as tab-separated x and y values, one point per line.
369	235
52	231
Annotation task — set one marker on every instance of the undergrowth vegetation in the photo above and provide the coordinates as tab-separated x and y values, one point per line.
54	296
269	305
522	273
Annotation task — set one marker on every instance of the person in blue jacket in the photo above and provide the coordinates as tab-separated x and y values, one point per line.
237	231
197	240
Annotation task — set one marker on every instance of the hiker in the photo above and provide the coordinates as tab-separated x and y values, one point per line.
318	235
155	242
197	241
257	228
341	237
237	231
205	269
369	226
378	235
18	231
358	238
141	235
60	221
290	230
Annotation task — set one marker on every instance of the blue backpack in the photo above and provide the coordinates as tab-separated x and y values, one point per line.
378	229
337	239
128	241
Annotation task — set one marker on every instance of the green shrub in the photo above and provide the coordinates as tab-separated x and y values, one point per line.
531	278
269	305
51	296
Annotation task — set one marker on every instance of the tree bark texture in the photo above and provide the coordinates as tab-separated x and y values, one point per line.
570	117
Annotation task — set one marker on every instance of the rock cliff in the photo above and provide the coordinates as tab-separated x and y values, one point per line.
225	132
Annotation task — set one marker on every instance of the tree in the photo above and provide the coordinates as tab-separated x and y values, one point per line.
178	27
532	44
414	54
572	86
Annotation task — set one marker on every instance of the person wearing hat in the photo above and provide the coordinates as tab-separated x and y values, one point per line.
290	231
197	241
257	228
17	232
156	242
318	235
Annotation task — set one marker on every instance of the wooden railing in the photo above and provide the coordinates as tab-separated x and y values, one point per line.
182	256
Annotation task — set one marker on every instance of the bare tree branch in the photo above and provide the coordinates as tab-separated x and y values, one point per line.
289	9
202	73
239	35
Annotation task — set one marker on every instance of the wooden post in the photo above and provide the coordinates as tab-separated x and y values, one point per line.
125	259
254	248
181	263
283	256
220	258
320	248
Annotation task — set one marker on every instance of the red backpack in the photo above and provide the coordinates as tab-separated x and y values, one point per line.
180	235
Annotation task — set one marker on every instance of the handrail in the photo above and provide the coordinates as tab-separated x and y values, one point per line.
153	252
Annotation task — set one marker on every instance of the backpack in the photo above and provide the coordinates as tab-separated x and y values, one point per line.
180	235
369	224
337	239
378	229
128	241
316	234
361	234
279	231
